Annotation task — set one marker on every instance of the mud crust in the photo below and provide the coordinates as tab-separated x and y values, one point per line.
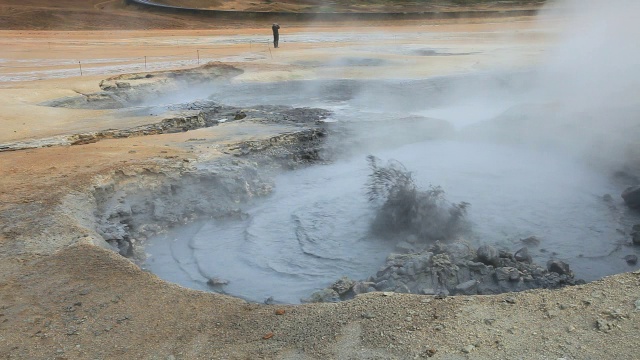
133	205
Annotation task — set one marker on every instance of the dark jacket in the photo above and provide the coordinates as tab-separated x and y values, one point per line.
275	29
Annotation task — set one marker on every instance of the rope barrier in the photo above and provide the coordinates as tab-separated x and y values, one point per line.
30	69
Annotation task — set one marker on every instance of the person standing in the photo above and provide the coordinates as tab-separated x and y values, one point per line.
276	34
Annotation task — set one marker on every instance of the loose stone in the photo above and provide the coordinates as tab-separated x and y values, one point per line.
368	315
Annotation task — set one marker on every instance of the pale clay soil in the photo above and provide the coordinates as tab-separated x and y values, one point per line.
62	297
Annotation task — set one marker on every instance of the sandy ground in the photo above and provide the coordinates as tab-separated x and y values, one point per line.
63	298
39	66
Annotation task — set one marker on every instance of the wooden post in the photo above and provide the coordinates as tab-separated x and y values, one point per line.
79	63
198	56
145	63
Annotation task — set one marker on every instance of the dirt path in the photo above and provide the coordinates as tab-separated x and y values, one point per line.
62	297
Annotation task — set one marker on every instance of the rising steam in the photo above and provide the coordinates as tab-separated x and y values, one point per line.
583	100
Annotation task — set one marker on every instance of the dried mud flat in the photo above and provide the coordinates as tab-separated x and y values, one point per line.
65	294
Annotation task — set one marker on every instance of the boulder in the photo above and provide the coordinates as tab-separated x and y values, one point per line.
631	196
362	287
343	285
558	267
385	285
507	274
523	255
460	252
488	255
324	295
467	288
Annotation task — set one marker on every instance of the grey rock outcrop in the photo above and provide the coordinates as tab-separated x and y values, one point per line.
455	269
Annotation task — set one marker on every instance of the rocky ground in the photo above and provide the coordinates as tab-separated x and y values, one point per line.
67	293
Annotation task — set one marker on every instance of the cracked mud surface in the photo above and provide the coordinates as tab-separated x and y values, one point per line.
64	293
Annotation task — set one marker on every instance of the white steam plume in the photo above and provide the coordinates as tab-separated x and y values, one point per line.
585	99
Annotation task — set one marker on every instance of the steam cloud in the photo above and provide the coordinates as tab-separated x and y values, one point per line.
595	63
584	97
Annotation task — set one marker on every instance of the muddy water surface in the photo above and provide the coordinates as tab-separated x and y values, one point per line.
315	227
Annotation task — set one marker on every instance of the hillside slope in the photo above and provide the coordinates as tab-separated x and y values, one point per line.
115	14
81	15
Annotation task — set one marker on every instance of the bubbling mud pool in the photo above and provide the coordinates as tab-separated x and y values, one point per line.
315	227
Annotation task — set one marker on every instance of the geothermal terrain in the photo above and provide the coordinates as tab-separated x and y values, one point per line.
173	187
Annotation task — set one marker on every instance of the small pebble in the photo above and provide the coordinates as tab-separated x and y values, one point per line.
440	296
368	315
430	352
510	300
467	349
